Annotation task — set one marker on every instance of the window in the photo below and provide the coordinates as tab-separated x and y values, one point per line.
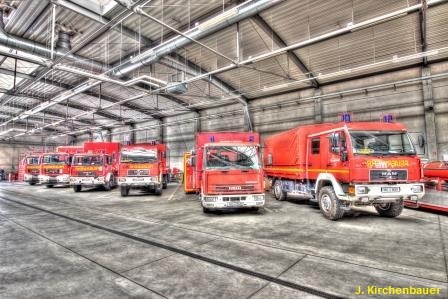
232	157
315	146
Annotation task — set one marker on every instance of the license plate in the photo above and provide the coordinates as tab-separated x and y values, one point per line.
139	179
234	204
390	189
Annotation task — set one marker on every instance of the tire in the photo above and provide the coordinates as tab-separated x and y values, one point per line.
329	204
205	210
77	188
165	182
32	183
108	184
278	193
158	191
124	191
389	209
50	186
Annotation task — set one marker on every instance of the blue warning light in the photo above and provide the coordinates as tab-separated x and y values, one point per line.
346	117
212	138
388	118
251	138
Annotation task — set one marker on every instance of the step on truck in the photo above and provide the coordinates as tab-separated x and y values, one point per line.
347	164
30	166
226	171
55	167
143	166
96	166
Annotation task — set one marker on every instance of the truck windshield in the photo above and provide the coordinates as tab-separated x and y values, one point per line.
88	160
138	156
54	159
381	142
225	157
32	160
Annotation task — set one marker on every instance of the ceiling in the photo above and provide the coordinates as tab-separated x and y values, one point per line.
326	41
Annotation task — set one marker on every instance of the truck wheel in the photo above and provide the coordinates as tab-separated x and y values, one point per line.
124	191
108	185
278	192
50	186
32	183
329	204
165	182
158	191
205	210
77	188
389	209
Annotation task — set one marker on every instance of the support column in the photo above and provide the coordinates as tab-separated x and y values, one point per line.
133	136
162	132
90	136
318	107
247	118
108	135
197	125
430	118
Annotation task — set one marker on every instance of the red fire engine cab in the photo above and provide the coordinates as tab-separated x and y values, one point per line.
97	165
226	170
341	165
30	167
55	167
143	166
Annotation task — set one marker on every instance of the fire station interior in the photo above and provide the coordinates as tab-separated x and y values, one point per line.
223	149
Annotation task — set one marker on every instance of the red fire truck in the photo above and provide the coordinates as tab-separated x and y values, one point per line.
97	165
346	164
55	167
188	174
30	166
143	166
436	177
227	171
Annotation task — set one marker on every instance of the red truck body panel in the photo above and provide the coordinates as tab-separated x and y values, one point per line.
436	169
292	155
155	169
206	181
101	149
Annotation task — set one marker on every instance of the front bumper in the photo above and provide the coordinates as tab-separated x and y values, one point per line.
384	193
29	178
88	181
232	201
141	182
60	179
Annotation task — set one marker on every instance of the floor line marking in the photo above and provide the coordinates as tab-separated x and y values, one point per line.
172	195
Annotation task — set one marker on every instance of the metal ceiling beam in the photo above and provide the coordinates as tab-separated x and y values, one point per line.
91	93
121	29
49	112
267	29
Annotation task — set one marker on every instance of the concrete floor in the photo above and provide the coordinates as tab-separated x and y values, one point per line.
45	255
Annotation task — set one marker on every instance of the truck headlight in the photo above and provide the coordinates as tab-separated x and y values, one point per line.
362	190
417	188
210	198
258	197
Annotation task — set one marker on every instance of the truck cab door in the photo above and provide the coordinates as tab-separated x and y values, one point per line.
336	159
314	157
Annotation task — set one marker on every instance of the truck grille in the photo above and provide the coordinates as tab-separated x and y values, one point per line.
86	173
52	171
138	172
388	175
233	188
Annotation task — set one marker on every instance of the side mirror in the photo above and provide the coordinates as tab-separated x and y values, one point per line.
270	159
421	140
193	161
344	156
